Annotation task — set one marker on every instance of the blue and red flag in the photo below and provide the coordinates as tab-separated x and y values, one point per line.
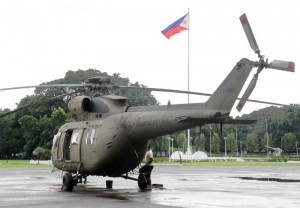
177	26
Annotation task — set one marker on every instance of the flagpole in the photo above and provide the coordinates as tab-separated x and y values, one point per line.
188	56
188	66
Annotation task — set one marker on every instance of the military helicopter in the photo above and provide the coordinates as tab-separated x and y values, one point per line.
109	138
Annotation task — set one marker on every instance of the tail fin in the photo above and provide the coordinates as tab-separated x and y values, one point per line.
226	94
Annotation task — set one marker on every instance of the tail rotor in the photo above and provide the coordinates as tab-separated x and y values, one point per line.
261	64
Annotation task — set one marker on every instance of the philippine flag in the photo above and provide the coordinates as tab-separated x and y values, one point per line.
177	26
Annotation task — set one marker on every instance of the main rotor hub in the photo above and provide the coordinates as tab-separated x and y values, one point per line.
100	84
98	80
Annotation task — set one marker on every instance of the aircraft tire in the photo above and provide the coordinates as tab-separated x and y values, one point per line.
142	182
68	182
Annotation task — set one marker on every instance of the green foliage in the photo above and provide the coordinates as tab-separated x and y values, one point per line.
231	143
252	142
22	132
11	140
277	120
39	132
215	143
288	141
30	127
25	130
180	140
42	153
165	143
200	143
267	141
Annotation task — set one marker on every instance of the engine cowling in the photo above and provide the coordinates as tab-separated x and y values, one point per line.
79	107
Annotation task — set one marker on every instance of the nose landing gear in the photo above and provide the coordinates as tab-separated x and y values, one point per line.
70	181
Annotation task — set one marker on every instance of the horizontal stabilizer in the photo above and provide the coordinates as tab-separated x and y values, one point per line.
223	120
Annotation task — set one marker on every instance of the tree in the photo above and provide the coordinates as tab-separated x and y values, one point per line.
39	132
31	130
41	153
288	142
215	143
51	125
200	143
11	138
231	143
164	143
252	142
267	141
36	126
180	140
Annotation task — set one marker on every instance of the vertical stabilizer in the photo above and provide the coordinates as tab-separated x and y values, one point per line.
226	94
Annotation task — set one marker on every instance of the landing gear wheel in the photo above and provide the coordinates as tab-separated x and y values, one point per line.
67	182
142	181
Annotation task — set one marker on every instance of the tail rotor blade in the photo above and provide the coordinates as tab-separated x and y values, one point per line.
247	93
249	33
283	65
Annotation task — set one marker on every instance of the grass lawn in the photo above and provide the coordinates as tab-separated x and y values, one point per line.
20	164
165	160
157	161
234	163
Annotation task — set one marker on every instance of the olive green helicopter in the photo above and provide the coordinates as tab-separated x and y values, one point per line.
108	137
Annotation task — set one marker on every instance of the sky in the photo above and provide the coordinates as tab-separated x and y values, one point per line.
40	40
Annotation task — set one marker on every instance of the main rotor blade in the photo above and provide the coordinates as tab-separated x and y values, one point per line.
47	86
283	65
247	93
249	33
197	93
37	104
164	90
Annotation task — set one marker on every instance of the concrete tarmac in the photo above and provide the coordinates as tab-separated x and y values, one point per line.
182	187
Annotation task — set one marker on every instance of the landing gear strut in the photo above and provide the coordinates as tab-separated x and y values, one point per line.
141	180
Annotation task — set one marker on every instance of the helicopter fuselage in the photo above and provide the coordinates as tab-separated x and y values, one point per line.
116	144
110	138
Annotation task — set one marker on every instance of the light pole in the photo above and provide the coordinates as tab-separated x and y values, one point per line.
297	147
241	148
169	148
172	145
236	141
225	138
210	140
267	133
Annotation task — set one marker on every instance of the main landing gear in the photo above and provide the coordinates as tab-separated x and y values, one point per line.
142	179
70	181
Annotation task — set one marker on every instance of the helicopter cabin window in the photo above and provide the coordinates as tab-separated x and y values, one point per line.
90	136
76	137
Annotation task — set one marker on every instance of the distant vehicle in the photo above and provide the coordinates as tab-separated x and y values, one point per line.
276	151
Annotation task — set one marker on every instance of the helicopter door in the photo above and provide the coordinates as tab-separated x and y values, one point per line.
55	154
75	145
63	153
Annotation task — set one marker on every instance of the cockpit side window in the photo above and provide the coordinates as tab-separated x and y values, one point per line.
56	140
90	136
